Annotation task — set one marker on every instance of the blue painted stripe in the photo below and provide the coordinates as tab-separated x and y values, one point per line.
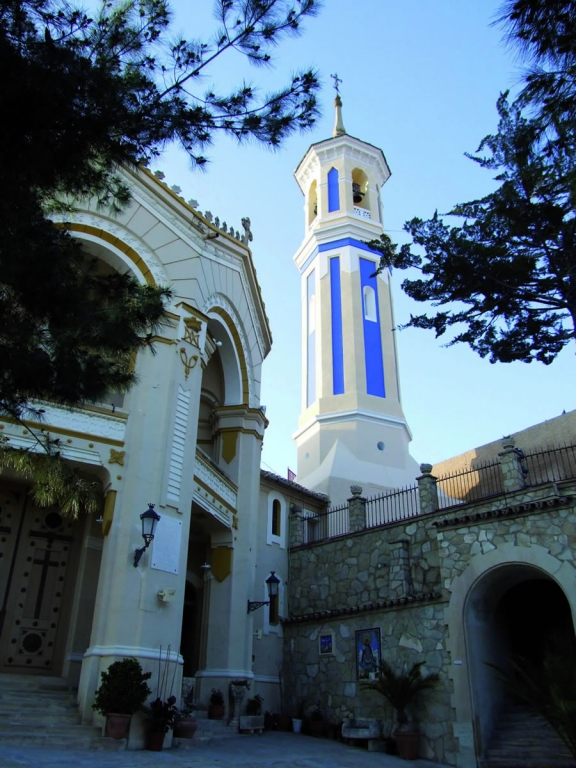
372	337
343	243
333	191
337	343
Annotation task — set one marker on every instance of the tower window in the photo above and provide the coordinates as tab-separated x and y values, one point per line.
370	304
276	517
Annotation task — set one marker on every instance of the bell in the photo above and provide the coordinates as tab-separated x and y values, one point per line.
356	194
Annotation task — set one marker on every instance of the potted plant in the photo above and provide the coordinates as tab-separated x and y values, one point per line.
216	708
400	690
161	713
122	692
161	718
253	720
186	724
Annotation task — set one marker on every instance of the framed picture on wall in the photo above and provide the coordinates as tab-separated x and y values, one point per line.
368	653
326	644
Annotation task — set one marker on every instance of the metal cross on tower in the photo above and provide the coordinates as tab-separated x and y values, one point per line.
337	81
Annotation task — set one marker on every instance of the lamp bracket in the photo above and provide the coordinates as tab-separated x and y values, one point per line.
253	605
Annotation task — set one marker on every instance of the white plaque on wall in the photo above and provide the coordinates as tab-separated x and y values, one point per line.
166	545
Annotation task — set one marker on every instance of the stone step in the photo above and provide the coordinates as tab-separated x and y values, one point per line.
93	741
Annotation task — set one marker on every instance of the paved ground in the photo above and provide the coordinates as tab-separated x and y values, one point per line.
272	750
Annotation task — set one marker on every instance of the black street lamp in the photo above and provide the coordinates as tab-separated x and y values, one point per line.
149	520
272	582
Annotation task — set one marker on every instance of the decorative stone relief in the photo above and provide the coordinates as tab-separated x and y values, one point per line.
177	449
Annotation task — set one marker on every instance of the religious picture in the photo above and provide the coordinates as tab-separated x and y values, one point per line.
367	653
326	644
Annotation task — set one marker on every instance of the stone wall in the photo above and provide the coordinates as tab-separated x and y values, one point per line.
413	633
399	578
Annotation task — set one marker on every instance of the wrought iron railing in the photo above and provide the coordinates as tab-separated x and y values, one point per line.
550	465
393	506
472	484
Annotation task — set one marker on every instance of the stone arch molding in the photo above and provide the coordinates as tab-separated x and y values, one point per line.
218	300
96	224
480	565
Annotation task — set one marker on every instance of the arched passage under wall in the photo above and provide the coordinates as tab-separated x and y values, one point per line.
513	610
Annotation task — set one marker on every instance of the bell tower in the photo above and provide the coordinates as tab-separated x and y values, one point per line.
352	429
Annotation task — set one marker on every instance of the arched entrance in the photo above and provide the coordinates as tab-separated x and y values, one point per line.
513	610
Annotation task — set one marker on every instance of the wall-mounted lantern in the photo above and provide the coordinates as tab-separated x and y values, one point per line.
272	583
149	520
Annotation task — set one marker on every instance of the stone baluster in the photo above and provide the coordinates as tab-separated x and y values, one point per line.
357	509
427	489
511	465
238	690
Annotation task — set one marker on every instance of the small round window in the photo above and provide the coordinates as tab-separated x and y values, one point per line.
380	445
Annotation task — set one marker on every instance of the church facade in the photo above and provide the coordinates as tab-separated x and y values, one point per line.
373	556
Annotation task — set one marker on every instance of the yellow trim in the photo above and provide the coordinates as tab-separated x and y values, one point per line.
243	430
221	565
172	315
163	340
104	411
108	512
229	444
240	352
214	495
116	242
193	311
70	432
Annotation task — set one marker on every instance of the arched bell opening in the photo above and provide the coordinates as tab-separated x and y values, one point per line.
360	189
513	611
312	202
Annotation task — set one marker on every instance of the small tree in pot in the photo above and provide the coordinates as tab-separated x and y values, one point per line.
122	692
401	690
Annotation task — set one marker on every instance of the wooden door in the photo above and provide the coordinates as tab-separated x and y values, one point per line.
34	553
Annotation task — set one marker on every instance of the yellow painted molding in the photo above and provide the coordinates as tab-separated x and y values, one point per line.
193	311
69	432
239	351
214	495
229	444
137	260
238	431
221	565
108	513
163	340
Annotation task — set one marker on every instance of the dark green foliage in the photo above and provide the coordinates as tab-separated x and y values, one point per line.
549	688
55	481
162	714
123	689
400	689
506	272
81	96
254	705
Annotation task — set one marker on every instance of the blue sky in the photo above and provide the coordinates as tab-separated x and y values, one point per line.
420	80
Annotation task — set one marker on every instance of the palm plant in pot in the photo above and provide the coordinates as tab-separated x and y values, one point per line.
401	689
122	692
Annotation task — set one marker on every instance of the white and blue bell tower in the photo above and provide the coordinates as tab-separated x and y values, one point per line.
352	429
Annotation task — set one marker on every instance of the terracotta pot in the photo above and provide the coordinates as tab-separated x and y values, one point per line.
407	743
216	711
117	726
185	728
155	740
